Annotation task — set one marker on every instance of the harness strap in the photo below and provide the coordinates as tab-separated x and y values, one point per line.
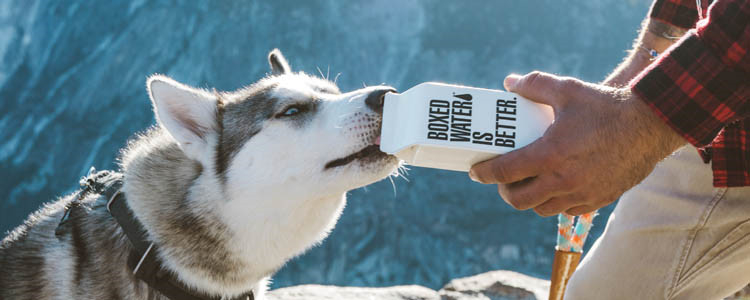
143	259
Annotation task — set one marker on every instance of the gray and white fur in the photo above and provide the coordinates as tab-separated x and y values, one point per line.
228	185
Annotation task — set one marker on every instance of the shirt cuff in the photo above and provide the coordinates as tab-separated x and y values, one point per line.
692	90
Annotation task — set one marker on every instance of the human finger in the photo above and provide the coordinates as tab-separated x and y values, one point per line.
579	210
513	166
542	87
532	192
556	205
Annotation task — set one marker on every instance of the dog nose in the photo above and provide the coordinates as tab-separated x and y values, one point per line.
375	99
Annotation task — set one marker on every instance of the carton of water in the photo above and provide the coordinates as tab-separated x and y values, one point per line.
453	127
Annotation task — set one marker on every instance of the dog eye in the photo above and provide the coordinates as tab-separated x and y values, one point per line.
290	111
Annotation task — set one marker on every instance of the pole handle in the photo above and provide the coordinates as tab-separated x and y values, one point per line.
563	266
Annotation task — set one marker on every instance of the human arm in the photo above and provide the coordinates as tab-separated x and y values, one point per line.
701	84
654	35
606	140
533	187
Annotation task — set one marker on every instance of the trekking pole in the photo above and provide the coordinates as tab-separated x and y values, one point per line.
570	240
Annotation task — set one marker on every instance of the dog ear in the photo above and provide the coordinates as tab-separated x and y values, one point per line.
188	114
278	63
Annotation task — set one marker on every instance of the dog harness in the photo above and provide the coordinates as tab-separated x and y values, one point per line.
142	261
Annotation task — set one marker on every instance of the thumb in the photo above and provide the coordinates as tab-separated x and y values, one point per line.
539	87
510	81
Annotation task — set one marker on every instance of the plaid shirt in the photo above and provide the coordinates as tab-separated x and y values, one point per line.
701	85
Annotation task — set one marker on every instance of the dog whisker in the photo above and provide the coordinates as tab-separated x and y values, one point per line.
393	184
402	171
336	78
321	72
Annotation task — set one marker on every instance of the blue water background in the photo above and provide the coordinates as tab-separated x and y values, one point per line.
72	91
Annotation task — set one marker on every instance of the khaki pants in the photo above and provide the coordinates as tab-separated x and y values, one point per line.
674	236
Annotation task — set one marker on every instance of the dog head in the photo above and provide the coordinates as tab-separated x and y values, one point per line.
286	135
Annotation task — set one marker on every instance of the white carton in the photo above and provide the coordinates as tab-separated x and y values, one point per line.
453	127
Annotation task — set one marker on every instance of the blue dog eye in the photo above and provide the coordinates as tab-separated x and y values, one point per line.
290	111
294	110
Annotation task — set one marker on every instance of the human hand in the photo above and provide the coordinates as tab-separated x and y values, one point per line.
603	142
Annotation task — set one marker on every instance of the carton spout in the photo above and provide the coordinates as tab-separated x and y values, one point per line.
395	133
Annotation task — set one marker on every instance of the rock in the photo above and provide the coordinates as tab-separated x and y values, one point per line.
496	285
743	294
327	292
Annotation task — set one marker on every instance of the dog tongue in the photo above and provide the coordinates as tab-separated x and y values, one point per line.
377	141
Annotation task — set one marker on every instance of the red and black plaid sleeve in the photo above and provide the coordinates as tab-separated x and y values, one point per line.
701	84
680	13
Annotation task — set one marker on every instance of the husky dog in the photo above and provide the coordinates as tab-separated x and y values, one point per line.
228	186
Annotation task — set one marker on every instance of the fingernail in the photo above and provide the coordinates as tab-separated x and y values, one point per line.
510	81
473	175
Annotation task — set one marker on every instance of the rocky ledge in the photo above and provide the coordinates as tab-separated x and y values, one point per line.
495	285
